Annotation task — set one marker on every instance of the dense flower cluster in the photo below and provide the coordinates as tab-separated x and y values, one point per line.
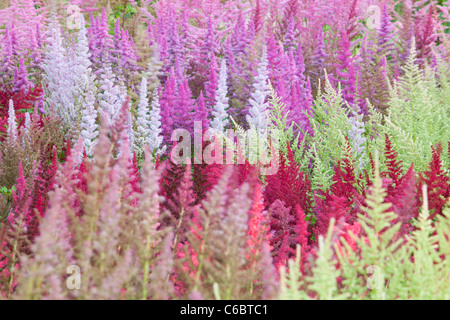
91	92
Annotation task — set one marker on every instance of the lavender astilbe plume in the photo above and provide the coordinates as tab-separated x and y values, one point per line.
385	41
21	82
111	97
86	88
258	113
155	137
153	71
8	58
319	59
59	77
161	287
356	135
12	125
143	130
219	112
290	37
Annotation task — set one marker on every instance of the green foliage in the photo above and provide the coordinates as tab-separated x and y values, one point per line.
419	113
330	124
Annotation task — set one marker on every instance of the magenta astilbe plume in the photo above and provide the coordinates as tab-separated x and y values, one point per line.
102	40
201	112
211	85
346	72
386	45
174	48
275	58
319	59
8	58
290	37
258	20
21	82
209	47
168	102
183	116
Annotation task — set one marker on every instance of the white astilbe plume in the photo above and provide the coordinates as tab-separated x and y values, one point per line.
59	77
27	125
89	125
356	136
12	125
154	67
87	89
258	113
155	138
111	96
26	129
143	119
219	112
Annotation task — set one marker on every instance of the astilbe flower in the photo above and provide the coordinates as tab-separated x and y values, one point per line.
405	201
8	61
212	84
219	112
437	181
21	81
385	41
201	112
183	117
275	59
258	112
46	251
290	37
319	60
111	95
288	185
346	72
168	101
219	240
59	77
12	125
155	137
393	165
425	34
181	205
356	135
143	130
87	90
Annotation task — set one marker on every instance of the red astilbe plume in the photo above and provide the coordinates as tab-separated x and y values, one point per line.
405	201
394	166
303	236
171	177
258	228
289	228
133	181
425	34
438	183
333	207
181	207
258	241
206	175
346	233
342	195
289	184
6	285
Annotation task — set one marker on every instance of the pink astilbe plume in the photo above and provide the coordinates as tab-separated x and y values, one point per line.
346	71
